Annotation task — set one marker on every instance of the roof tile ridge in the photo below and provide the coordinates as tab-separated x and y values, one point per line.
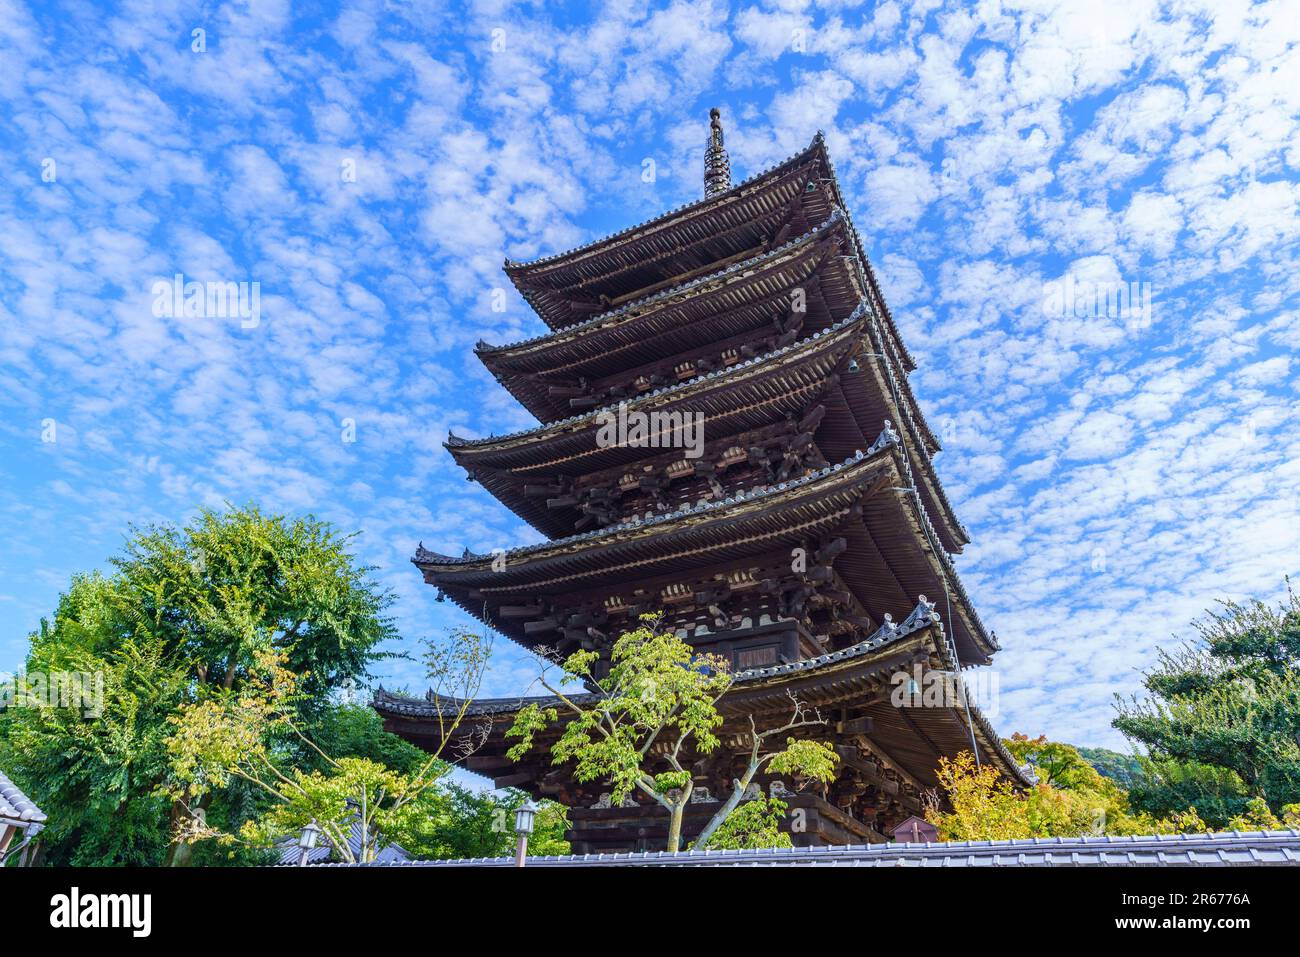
425	556
837	216
820	139
455	441
923	616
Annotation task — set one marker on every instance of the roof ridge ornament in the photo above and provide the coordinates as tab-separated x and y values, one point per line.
887	437
717	164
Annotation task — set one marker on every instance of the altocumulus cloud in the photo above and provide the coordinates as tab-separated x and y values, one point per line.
371	166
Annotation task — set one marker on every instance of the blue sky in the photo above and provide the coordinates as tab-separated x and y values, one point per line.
1117	476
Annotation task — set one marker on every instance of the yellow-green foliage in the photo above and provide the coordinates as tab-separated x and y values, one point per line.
1071	799
1259	817
234	735
243	734
755	823
656	687
814	760
658	691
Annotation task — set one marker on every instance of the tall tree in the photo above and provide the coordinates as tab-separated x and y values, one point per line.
256	734
183	615
1221	720
658	691
95	776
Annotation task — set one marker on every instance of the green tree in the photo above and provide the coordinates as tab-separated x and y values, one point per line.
1070	799
1221	720
95	776
1258	816
454	821
182	616
1073	798
355	730
462	823
755	823
658	692
1123	769
1218	794
256	733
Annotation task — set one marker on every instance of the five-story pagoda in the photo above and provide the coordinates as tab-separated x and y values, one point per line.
728	438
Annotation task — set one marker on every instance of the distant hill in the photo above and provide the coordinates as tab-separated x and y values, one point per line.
1121	768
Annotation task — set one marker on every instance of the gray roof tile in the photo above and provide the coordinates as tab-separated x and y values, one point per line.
1223	849
17	807
290	852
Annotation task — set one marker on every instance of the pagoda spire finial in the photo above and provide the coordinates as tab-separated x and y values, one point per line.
717	165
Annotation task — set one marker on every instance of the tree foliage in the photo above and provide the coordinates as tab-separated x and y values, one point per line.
754	823
355	730
1258	816
461	823
1221	719
453	821
658	691
255	734
95	778
1123	769
1070	799
182	617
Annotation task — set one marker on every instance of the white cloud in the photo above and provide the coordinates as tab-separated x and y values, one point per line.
985	152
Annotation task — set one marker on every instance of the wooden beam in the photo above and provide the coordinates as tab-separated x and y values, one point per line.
855	726
889	762
514	780
487	762
854	760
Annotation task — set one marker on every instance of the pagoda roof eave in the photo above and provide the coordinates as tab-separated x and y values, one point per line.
922	619
909	362
636	309
427	560
843	329
508	489
523	268
885	453
922	624
816	150
901	410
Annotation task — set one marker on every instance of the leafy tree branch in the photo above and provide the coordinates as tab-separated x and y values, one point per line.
653	711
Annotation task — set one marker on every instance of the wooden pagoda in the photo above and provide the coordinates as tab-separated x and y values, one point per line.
756	311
